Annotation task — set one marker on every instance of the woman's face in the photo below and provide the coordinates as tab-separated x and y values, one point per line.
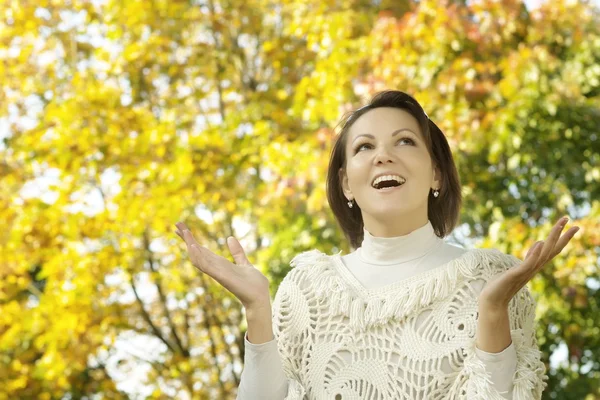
389	141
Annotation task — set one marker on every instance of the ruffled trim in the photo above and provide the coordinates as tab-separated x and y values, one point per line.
315	271
528	380
479	385
530	376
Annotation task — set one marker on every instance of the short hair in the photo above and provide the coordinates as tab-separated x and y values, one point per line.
443	211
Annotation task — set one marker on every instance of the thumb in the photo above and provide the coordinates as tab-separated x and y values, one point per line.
236	250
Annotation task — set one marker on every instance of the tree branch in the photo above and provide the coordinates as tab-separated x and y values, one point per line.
162	297
207	325
146	316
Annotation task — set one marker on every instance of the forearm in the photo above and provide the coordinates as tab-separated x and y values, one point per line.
495	349
259	321
493	330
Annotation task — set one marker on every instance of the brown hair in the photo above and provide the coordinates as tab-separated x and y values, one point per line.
443	211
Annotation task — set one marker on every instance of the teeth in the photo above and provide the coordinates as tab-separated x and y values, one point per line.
396	178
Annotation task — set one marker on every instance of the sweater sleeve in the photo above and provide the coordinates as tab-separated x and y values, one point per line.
263	376
528	379
271	368
501	367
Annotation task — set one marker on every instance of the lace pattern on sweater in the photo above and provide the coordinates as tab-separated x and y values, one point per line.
412	340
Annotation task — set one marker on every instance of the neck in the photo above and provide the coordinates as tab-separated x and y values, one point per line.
399	249
390	226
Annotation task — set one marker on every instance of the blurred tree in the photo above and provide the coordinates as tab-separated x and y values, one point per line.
518	94
124	117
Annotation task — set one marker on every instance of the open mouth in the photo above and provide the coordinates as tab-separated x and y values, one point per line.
389	188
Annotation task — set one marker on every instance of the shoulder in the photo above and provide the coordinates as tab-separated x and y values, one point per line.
522	305
309	264
311	275
310	258
489	261
307	268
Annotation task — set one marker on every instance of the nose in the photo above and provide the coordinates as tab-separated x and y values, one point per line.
382	156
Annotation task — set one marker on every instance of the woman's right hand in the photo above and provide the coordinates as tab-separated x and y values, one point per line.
242	279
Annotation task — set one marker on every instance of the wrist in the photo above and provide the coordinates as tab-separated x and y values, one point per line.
260	310
492	309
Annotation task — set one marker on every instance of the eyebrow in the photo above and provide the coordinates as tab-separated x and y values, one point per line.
393	134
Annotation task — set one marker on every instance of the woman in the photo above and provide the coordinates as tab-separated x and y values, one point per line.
405	315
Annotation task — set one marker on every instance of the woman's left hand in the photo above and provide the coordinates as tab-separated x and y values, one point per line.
498	292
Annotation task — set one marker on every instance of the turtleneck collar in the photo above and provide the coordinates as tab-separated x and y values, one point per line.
399	249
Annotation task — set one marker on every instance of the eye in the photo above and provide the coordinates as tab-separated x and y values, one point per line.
360	146
412	142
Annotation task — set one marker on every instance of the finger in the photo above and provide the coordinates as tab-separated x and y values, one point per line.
529	267
532	259
533	250
198	255
236	250
189	238
181	226
199	259
186	234
548	250
564	240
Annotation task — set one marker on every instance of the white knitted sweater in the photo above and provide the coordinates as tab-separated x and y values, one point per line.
411	339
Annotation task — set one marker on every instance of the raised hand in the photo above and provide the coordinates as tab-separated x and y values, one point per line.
498	292
242	279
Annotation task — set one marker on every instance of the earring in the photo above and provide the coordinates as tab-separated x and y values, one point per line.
350	203
436	192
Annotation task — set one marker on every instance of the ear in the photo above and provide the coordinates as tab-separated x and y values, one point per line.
437	177
343	177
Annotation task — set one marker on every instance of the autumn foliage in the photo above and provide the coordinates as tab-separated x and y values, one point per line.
120	118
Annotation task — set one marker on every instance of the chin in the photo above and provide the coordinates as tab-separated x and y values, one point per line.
390	211
395	207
